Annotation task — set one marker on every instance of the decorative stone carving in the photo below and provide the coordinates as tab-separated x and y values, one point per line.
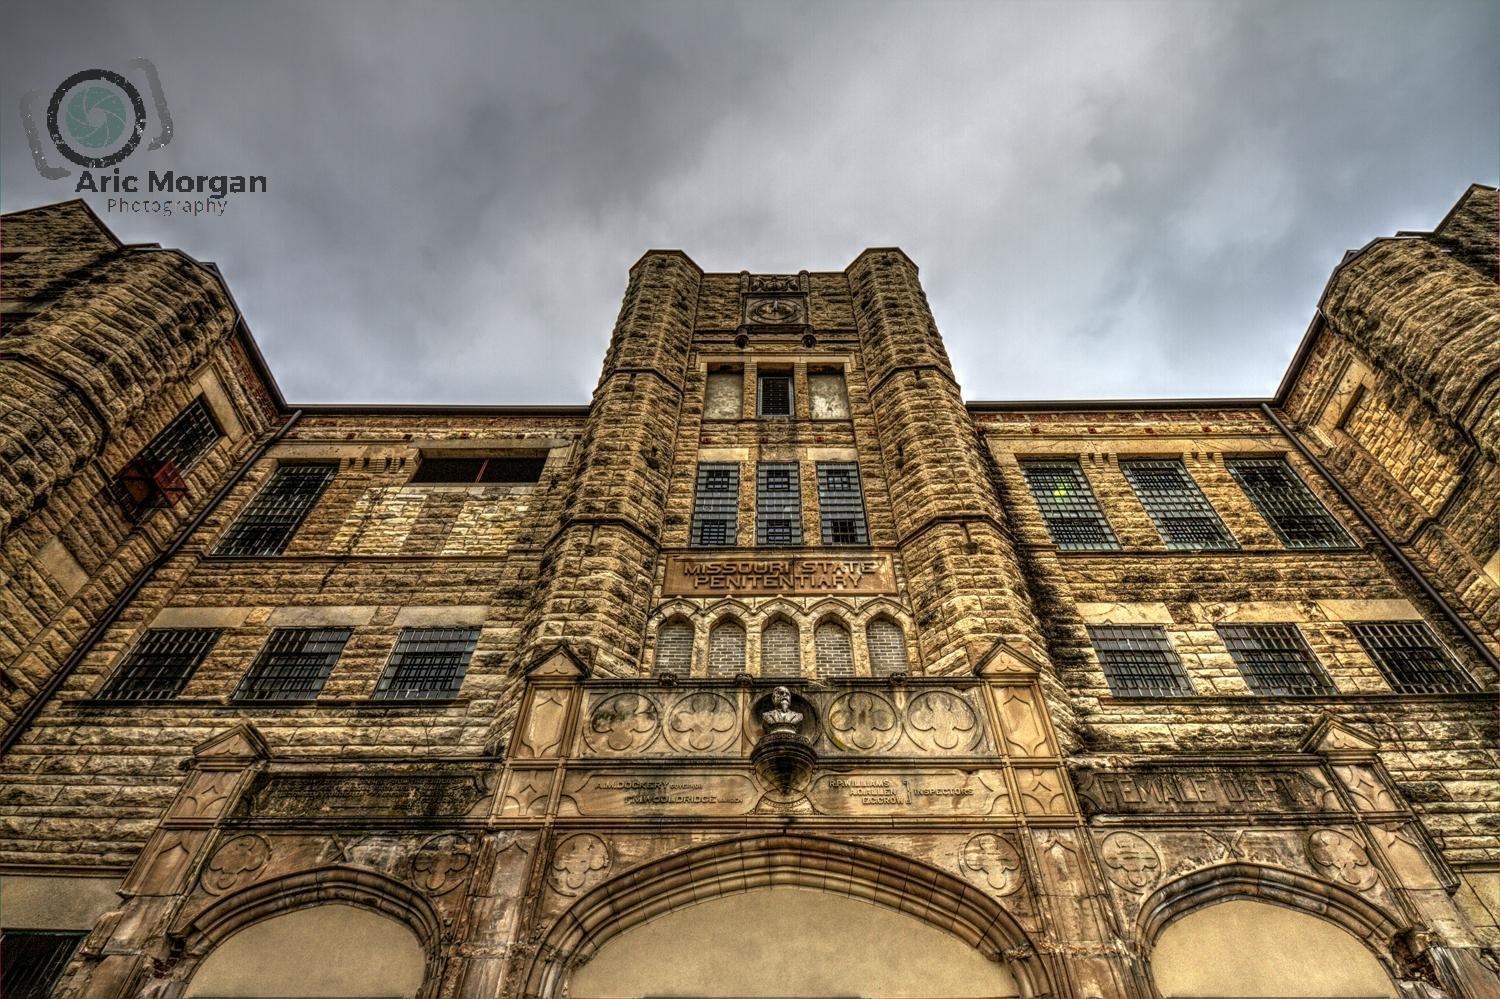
1130	861
940	721
774	282
1365	788
782	757
774	311
702	722
1341	858
578	863
235	863
781	717
623	723
990	861
441	863
527	793
543	724
1025	735
1041	791
862	721
206	795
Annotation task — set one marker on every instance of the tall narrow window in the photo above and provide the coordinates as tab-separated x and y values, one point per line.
716	505
723	395
266	525
780	650
841	505
1287	504
161	663
1411	658
294	664
428	662
674	648
1274	659
1182	516
774	394
1139	662
778	503
726	648
886	643
835	651
32	961
1073	518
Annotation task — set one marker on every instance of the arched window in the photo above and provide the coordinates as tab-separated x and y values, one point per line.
726	648
780	650
835	654
887	644
674	648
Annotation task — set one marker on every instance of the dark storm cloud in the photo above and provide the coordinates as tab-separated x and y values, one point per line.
1106	200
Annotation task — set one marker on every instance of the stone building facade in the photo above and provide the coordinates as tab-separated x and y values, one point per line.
778	669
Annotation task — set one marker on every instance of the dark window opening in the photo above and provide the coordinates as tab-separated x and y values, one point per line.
1291	509
498	470
32	961
266	525
1411	658
1069	510
775	395
1139	662
154	477
161	663
294	664
1274	659
428	662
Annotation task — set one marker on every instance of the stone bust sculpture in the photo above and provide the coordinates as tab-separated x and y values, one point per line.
781	718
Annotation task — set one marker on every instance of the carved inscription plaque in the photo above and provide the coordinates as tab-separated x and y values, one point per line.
680	792
694	575
312	796
929	793
1203	790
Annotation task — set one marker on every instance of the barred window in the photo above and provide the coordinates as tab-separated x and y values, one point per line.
1411	658
780	650
32	961
186	439
835	651
161	663
428	662
886	643
716	505
775	395
1072	515
1287	504
778	503
266	525
1274	659
674	648
1183	517
508	469
841	504
294	664
726	648
1139	662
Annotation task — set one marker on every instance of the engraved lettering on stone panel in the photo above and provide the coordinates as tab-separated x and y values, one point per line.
788	575
1041	792
1130	861
862	721
933	793
702	722
623	723
235	863
990	861
1366	789
616	792
1024	733
544	726
1341	858
940	721
441	864
1203	790
578	863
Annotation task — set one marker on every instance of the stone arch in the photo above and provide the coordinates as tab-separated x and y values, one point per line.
834	647
738	865
780	648
726	647
674	647
1350	911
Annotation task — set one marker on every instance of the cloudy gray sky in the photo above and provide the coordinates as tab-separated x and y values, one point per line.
1106	199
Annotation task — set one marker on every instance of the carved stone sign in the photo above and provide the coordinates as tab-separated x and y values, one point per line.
926	793
1202	790
635	792
337	796
790	574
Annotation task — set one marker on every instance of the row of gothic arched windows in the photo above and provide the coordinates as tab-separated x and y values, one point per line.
781	648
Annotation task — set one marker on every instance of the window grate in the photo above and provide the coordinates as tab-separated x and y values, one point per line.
1275	659
266	525
294	664
186	439
1287	504
427	662
1139	662
778	503
1072	515
1411	658
161	663
32	961
716	506
1183	517
775	396
841	504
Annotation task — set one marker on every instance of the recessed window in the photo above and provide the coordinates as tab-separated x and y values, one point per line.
428	662
266	525
32	961
1411	658
774	395
778	504
726	648
508	469
841	506
1183	517
827	397
835	652
1287	504
153	478
1274	659
674	648
1139	662
716	505
886	644
723	395
294	664
1072	515
780	650
161	663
